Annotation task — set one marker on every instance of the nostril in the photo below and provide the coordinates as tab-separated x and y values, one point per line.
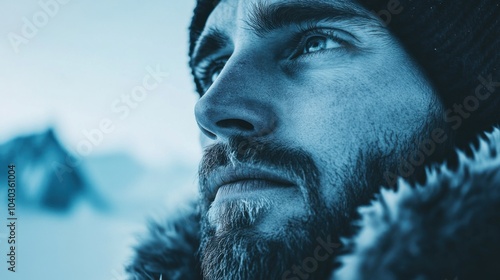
208	133
235	123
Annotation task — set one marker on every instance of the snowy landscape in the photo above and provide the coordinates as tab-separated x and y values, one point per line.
96	156
101	209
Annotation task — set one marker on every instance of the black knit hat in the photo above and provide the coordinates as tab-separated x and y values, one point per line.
457	43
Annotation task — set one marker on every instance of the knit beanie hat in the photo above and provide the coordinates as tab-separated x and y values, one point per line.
457	43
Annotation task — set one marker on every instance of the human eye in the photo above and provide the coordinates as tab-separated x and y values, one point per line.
319	40
209	70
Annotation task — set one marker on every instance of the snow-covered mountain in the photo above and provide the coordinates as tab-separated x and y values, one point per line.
48	177
45	176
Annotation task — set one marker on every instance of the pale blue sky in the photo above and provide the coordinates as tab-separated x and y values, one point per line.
86	56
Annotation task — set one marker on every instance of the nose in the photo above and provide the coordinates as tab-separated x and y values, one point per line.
236	105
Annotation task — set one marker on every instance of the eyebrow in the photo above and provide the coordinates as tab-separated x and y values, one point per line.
211	41
266	18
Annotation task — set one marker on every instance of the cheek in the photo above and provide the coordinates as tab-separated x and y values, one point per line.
332	117
328	127
335	117
366	106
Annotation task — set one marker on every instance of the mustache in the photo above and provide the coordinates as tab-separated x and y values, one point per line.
291	161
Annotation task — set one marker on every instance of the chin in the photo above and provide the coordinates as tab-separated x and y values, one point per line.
229	214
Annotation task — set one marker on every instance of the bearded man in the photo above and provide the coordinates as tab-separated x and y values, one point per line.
306	109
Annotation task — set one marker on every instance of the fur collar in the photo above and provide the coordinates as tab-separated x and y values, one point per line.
447	229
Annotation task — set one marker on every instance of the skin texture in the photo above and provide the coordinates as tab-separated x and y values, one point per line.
347	109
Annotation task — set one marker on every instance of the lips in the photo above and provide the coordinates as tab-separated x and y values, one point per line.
245	178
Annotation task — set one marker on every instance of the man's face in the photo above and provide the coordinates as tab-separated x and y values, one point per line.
302	99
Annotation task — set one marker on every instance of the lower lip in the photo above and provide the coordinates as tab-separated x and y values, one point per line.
248	187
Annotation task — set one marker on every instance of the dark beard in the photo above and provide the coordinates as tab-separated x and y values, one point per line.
237	250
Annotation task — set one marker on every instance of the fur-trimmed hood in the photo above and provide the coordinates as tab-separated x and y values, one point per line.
448	228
